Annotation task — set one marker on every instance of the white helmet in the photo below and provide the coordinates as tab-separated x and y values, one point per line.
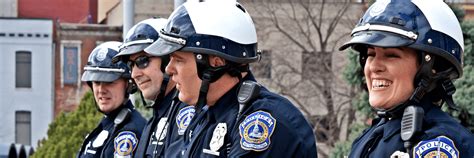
221	28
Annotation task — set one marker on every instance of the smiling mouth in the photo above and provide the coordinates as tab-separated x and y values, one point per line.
379	84
142	83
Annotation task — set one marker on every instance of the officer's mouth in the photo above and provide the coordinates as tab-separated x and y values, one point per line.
104	99
380	84
142	84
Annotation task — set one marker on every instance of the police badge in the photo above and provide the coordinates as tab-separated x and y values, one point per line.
101	54
99	141
184	117
440	146
217	139
161	130
256	130
125	143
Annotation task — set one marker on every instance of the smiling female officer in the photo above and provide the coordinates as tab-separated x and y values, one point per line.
410	50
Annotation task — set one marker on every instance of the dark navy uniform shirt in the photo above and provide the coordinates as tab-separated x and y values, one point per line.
110	140
269	127
160	130
440	132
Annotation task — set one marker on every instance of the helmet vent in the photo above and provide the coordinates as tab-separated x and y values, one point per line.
175	30
397	21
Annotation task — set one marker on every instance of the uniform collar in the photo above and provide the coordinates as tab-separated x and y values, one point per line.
393	125
109	117
161	106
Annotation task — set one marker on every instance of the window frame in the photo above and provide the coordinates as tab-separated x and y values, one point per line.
30	80
27	122
70	43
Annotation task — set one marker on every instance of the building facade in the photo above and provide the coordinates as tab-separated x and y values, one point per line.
67	11
26	92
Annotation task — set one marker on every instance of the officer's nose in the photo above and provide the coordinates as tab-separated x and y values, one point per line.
100	87
170	70
374	62
136	72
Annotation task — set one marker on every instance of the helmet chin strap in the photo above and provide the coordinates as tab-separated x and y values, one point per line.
161	93
425	81
164	85
209	74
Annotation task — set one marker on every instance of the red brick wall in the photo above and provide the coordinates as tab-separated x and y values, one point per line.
70	11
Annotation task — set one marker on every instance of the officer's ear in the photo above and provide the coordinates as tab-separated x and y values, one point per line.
216	61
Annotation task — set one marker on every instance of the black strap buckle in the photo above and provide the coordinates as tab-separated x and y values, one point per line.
448	87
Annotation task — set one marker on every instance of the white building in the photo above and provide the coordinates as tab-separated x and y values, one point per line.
26	77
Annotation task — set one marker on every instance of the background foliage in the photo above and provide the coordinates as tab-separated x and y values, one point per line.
68	130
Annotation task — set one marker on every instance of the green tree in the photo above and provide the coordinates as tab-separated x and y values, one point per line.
146	112
353	74
67	132
464	86
463	98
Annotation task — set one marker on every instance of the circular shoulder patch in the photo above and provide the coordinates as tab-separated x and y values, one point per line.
184	117
256	130
440	146
125	143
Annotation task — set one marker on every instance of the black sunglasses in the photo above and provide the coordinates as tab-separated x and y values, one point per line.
141	62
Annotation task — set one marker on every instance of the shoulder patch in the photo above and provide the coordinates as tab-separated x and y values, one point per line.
125	143
440	146
184	117
256	130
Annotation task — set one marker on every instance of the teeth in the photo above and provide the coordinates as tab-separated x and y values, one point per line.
380	83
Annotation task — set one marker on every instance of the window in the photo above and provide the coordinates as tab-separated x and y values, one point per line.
23	69
70	59
263	68
23	127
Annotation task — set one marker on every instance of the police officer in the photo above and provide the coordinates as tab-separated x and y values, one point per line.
156	87
118	132
410	50
211	45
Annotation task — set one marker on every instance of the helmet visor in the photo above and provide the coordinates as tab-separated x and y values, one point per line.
165	45
101	74
133	49
377	38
